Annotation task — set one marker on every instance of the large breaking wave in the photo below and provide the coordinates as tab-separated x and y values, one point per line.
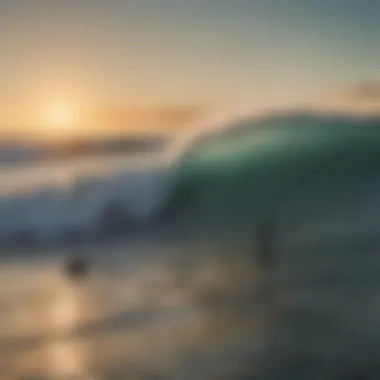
285	166
296	167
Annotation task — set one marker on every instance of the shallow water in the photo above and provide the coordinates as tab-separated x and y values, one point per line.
193	311
139	312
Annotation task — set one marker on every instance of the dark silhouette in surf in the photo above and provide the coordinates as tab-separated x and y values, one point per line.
265	244
77	268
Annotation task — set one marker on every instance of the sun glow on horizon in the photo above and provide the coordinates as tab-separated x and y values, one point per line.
60	121
60	114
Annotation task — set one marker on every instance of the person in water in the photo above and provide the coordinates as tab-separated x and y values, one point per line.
77	268
266	237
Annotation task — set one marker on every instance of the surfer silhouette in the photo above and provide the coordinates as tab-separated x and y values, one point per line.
266	236
77	268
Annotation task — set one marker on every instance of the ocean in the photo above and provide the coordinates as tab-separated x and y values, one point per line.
175	289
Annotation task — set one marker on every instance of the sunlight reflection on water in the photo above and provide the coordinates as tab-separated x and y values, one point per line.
68	357
148	317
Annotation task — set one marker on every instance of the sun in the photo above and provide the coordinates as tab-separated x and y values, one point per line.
60	115
59	122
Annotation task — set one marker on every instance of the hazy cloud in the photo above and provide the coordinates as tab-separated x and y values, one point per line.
362	99
366	91
161	118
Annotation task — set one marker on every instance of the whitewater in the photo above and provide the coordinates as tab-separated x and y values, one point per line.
47	199
51	197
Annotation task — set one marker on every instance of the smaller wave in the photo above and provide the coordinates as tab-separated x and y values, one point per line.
92	204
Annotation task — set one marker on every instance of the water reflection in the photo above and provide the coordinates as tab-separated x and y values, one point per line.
68	357
38	317
157	314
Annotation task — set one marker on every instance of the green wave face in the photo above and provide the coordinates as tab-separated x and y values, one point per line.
274	167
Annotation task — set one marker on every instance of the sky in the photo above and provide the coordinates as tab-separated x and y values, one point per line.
90	66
